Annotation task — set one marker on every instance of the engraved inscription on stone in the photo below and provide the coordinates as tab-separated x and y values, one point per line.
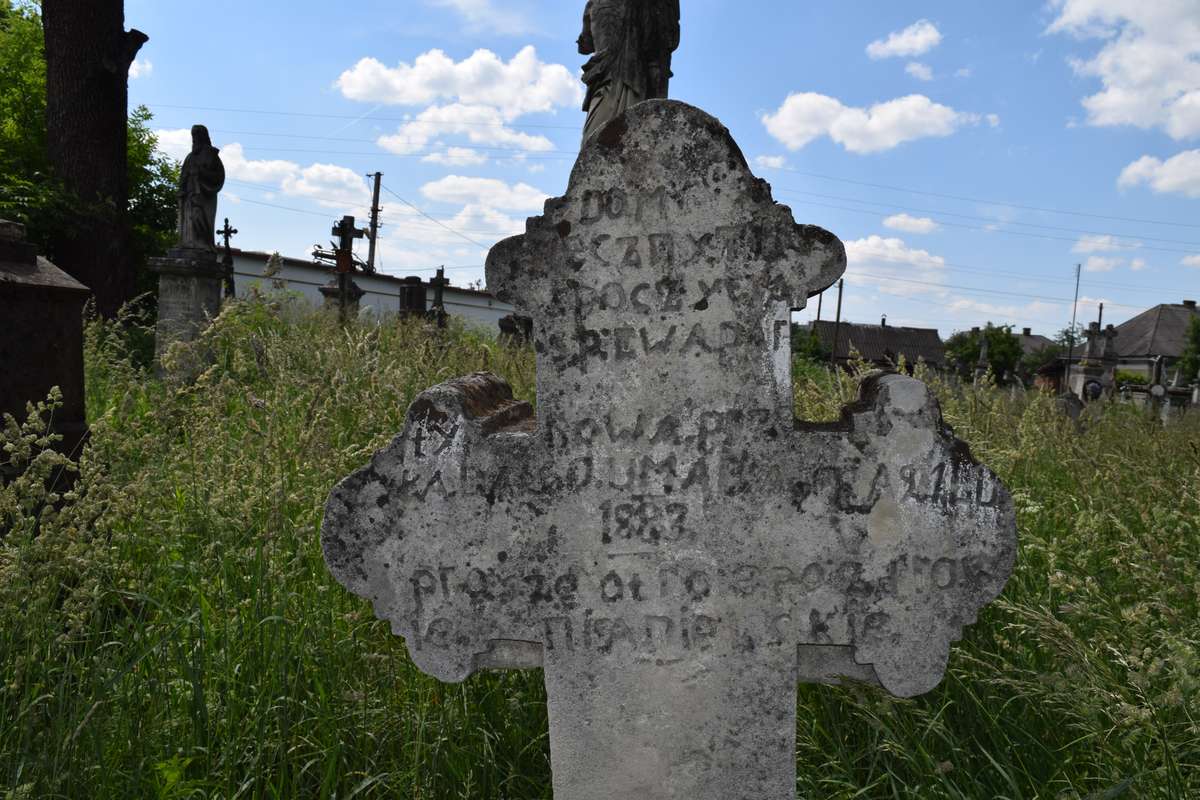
662	536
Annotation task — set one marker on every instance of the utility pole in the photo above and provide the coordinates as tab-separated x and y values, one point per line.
837	326
820	298
1100	321
373	234
1071	332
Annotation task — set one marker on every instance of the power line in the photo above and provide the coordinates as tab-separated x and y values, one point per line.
356	117
986	202
977	290
438	222
988	219
819	176
949	267
472	145
1026	234
408	220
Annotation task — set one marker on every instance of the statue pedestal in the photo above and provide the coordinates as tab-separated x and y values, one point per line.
189	295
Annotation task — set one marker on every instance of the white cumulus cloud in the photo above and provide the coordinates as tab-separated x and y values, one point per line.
457	157
1179	174
477	98
916	39
1102	243
484	15
523	85
889	264
1102	263
770	162
141	68
329	185
806	116
480	125
485	192
922	72
910	224
1191	261
1148	65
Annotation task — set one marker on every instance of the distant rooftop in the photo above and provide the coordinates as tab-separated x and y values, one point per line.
1032	342
879	343
1160	331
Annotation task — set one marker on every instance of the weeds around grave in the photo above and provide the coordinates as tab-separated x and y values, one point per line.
169	629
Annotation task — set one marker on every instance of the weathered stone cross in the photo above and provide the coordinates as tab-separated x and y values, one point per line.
663	538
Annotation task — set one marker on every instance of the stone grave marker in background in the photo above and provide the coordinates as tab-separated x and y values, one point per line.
662	537
41	336
191	275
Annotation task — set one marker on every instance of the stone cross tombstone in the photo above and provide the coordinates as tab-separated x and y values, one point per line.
227	233
662	537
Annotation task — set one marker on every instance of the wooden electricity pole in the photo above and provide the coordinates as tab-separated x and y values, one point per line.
373	232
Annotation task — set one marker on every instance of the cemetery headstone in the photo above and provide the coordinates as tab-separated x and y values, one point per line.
437	311
41	339
227	233
191	275
515	329
412	297
1096	372
662	537
342	293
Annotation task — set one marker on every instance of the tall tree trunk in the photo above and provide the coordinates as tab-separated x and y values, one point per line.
88	54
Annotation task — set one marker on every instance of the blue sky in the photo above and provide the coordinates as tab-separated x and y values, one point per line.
970	154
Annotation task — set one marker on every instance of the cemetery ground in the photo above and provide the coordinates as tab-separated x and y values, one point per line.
168	627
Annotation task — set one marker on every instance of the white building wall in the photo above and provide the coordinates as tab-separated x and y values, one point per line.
382	292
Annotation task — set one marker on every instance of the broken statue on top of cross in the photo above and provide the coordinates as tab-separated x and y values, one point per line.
662	537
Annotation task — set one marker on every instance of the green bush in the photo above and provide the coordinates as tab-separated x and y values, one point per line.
1123	377
168	628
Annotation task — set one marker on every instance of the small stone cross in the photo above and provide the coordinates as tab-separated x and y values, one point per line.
662	537
227	260
437	312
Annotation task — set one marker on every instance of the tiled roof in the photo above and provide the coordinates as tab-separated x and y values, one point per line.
880	343
1160	331
1033	343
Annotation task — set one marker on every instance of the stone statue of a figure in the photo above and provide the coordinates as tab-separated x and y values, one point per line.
631	42
200	179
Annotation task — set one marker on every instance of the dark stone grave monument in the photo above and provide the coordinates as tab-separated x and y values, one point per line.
41	338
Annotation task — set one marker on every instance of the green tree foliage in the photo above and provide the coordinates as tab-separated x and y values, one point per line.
1030	363
1004	350
28	192
807	345
1190	364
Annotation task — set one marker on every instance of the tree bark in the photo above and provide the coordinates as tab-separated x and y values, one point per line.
88	54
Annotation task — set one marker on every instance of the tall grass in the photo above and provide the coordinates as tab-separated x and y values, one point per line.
168	628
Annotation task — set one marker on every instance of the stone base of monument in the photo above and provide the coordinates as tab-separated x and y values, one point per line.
190	285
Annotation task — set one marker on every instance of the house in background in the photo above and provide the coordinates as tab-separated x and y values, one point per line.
382	292
1033	343
881	345
1160	332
